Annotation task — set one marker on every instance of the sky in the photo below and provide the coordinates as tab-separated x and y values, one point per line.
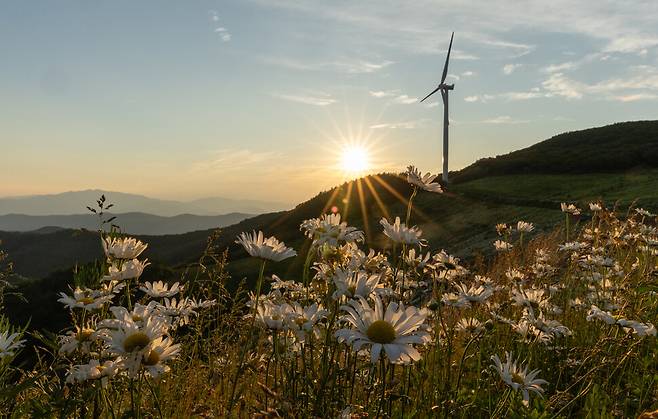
257	98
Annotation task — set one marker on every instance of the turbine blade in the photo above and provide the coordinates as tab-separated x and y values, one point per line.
433	91
445	67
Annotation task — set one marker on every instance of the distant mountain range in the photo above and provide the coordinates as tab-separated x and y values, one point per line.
132	222
75	202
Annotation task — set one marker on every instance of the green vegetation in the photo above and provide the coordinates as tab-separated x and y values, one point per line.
612	148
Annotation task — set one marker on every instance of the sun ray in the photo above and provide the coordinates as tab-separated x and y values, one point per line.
376	196
364	211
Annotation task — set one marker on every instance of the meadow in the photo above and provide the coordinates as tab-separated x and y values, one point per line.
557	323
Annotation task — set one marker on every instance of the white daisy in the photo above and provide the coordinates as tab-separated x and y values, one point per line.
400	233
261	247
93	370
353	284
524	227
518	377
569	208
159	351
9	343
395	330
328	229
123	247
160	289
86	299
426	182
502	246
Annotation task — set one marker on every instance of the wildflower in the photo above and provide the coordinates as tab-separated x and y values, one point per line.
643	212
400	233
132	269
264	248
454	300
569	208
640	329
93	370
9	343
502	246
86	299
271	315
416	262
524	227
426	182
131	337
81	338
123	248
353	284
595	206
395	330
328	229
572	246
598	314
473	293
470	326
502	229
159	289
518	377
159	350
303	320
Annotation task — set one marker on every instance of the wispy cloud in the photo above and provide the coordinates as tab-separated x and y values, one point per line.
234	159
315	98
479	98
383	93
395	96
510	68
398	125
468	74
221	31
504	119
348	66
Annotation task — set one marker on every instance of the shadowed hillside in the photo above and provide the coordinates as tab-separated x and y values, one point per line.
612	148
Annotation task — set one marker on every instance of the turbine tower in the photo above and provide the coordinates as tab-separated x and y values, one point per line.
444	88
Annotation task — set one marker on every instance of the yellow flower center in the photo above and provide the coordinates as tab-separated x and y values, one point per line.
135	342
351	290
516	378
152	359
85	334
137	318
86	300
381	331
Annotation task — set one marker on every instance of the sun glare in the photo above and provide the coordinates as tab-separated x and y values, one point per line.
355	160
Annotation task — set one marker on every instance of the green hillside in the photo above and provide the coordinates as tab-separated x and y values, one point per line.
612	148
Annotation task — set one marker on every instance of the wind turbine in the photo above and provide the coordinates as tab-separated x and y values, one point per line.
444	88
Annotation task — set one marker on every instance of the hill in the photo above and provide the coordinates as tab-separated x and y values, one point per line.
135	222
73	202
613	148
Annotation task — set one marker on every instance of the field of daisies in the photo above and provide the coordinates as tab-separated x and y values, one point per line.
554	325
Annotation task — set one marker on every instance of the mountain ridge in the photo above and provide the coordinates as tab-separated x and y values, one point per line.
73	202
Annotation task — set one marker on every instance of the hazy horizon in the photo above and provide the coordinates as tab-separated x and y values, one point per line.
256	100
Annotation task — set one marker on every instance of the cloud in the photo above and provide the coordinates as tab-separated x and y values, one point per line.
395	95
397	125
509	68
468	74
558	68
505	119
223	33
405	100
479	98
316	99
354	66
231	159
636	97
432	105
383	93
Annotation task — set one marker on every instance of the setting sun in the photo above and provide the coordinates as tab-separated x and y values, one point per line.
355	159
